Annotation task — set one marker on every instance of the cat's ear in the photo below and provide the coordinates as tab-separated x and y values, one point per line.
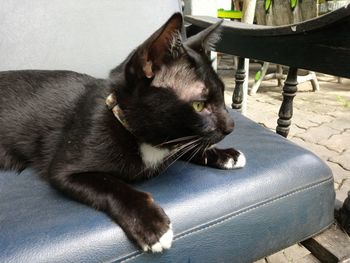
206	39
164	44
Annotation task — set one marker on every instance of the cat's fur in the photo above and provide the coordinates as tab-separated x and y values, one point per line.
58	123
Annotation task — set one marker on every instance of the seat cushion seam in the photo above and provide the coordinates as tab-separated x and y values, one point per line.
224	218
229	216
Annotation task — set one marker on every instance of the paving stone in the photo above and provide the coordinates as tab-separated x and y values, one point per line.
319	108
295	253
317	134
269	120
270	98
341	114
340	123
327	101
302	121
319	118
308	259
337	186
342	193
337	142
254	112
259	108
278	257
339	173
305	87
343	159
295	130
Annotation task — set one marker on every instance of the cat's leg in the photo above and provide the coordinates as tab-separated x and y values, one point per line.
218	158
2	157
140	217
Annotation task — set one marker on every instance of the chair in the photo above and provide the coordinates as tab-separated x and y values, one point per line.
279	13
284	194
320	44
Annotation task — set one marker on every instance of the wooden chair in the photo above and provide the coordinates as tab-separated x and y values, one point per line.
321	44
279	13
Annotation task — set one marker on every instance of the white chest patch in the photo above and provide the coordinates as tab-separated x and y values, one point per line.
152	156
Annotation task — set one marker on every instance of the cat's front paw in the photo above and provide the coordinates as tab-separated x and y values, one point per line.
225	158
148	225
234	161
163	243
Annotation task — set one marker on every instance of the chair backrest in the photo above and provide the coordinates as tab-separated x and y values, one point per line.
88	36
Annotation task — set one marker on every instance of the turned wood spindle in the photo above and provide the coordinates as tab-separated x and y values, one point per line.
237	97
286	111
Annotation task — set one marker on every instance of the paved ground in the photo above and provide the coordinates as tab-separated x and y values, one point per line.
321	120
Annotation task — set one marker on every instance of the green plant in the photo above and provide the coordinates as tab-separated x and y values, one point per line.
293	3
267	5
345	102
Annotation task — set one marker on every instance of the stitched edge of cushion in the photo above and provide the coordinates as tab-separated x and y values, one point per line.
229	216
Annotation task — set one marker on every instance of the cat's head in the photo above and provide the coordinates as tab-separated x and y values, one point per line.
169	89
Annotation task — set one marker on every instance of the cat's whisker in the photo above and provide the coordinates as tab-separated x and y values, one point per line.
184	147
181	139
180	151
207	147
189	148
194	154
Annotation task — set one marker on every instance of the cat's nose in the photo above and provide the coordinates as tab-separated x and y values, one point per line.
229	126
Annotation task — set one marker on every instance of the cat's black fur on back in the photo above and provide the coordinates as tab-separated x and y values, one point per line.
172	101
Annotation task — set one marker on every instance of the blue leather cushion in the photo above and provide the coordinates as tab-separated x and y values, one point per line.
283	195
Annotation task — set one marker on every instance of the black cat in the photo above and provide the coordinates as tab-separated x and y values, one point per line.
164	102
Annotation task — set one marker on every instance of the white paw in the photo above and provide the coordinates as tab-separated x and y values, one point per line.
163	243
231	164
241	161
167	239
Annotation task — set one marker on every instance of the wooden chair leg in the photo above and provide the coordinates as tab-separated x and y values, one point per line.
286	111
257	84
314	82
279	71
311	76
237	97
343	215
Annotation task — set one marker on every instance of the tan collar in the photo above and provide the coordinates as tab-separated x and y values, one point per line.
112	104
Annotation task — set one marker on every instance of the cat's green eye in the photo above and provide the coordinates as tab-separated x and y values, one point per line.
198	105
